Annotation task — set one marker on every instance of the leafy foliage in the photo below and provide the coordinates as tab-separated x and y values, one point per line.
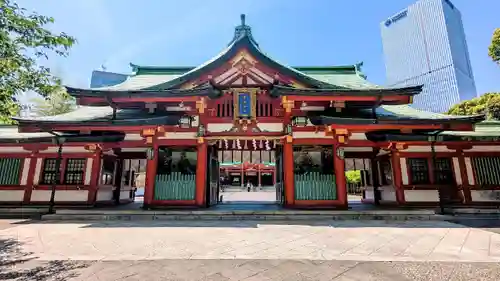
353	176
57	102
494	48
488	104
24	41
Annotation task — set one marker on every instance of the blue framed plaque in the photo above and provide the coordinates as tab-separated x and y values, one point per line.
244	103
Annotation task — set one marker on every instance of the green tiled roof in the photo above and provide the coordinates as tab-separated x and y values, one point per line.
410	112
483	129
104	115
11	134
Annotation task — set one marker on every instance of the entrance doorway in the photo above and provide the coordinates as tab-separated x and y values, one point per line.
358	179
247	176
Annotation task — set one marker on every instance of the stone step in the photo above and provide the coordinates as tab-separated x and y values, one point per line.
474	211
22	212
96	215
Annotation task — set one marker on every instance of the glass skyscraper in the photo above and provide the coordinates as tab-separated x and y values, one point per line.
425	44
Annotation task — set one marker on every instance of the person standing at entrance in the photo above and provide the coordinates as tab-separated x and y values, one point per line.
249	186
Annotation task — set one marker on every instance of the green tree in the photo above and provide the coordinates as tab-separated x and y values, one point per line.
353	176
25	41
488	104
494	49
57	102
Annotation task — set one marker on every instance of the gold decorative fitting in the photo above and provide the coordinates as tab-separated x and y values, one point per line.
201	105
289	139
341	139
201	140
328	128
160	129
148	132
341	132
149	140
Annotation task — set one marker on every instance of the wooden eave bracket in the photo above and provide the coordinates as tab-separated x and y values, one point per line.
396	146
151	133
201	105
94	147
342	135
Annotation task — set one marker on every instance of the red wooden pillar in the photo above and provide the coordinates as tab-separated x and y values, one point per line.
242	175
149	186
340	181
259	174
30	180
95	176
201	173
289	180
397	176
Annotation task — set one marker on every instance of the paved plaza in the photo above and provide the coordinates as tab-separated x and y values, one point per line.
267	195
247	250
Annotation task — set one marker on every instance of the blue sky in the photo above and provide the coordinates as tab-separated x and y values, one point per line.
297	33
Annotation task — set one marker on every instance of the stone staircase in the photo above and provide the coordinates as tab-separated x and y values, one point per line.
215	214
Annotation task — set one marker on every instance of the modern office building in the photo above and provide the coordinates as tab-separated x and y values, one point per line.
425	44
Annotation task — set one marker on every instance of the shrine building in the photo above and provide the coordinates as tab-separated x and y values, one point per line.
244	116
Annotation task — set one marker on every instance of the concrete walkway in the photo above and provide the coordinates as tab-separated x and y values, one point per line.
343	240
245	250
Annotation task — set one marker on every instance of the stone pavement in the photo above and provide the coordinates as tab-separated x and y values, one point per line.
246	250
269	195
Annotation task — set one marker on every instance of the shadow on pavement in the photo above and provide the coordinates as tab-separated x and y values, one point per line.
21	266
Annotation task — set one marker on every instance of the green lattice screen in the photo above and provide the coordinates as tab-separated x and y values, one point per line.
315	186
9	171
175	186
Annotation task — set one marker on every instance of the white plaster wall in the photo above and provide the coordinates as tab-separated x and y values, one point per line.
134	149
133	137
219	127
104	194
66	149
485	195
427	148
13	149
421	196
404	171
88	171
369	193
388	193
124	194
484	148
178	136
470	172
26	171
456	169
307	135
11	195
358	149
358	136
271	127
60	195
38	171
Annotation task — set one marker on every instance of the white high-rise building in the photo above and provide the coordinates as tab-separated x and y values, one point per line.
425	44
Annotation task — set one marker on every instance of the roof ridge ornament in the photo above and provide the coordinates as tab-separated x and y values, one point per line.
243	30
